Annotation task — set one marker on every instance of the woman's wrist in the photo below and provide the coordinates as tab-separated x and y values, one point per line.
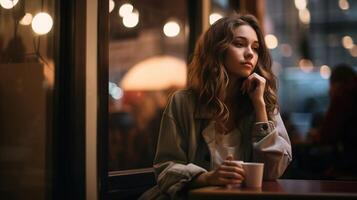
259	104
201	180
260	111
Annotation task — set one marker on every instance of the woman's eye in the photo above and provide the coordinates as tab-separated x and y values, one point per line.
238	44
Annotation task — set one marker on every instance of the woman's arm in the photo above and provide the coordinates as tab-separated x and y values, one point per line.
271	145
172	169
172	166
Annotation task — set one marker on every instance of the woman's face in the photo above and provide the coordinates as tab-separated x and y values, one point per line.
242	54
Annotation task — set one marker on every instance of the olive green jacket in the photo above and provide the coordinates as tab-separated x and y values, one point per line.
184	146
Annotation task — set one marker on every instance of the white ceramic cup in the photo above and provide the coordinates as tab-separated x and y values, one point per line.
253	174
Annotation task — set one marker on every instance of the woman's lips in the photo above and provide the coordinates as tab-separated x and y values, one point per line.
247	64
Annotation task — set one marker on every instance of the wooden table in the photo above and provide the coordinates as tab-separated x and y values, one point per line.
282	189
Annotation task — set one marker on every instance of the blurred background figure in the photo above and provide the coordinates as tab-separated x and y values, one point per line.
339	125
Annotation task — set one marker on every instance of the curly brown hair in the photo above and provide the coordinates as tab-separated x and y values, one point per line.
208	77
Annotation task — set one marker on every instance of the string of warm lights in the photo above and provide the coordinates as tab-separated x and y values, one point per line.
41	22
130	19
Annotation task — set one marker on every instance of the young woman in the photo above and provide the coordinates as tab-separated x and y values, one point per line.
228	111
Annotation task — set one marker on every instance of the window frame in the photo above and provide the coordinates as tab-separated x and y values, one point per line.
66	161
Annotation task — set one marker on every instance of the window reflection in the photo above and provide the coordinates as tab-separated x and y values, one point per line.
26	83
147	58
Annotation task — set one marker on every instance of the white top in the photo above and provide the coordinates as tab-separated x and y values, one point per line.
226	145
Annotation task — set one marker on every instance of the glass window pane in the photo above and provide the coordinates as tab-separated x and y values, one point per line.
147	61
312	38
26	85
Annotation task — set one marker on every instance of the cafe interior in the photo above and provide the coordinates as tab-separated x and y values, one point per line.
83	85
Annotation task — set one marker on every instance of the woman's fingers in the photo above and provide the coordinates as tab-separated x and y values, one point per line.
229	157
254	81
232	175
230	172
254	85
226	181
235	169
228	162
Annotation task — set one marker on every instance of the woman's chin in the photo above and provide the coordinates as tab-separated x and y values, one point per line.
240	75
244	75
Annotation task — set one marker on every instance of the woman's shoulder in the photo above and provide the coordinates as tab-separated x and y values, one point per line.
183	95
182	100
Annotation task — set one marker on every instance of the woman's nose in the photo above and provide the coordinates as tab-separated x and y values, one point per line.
248	54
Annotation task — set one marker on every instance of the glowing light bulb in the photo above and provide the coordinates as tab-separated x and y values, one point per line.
126	9
131	20
343	4
115	91
347	42
26	20
8	4
171	29
325	71
304	16
300	4
214	17
111	5
271	41
306	65
42	23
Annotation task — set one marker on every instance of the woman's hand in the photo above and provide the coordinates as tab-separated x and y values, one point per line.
254	85
229	172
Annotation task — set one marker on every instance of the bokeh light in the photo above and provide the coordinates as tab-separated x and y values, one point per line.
304	16
271	41
300	4
131	20
8	4
214	17
347	42
26	20
111	5
306	65
325	72
171	29
42	23
343	4
126	9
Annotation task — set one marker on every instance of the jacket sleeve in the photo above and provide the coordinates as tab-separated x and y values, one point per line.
172	170
271	145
